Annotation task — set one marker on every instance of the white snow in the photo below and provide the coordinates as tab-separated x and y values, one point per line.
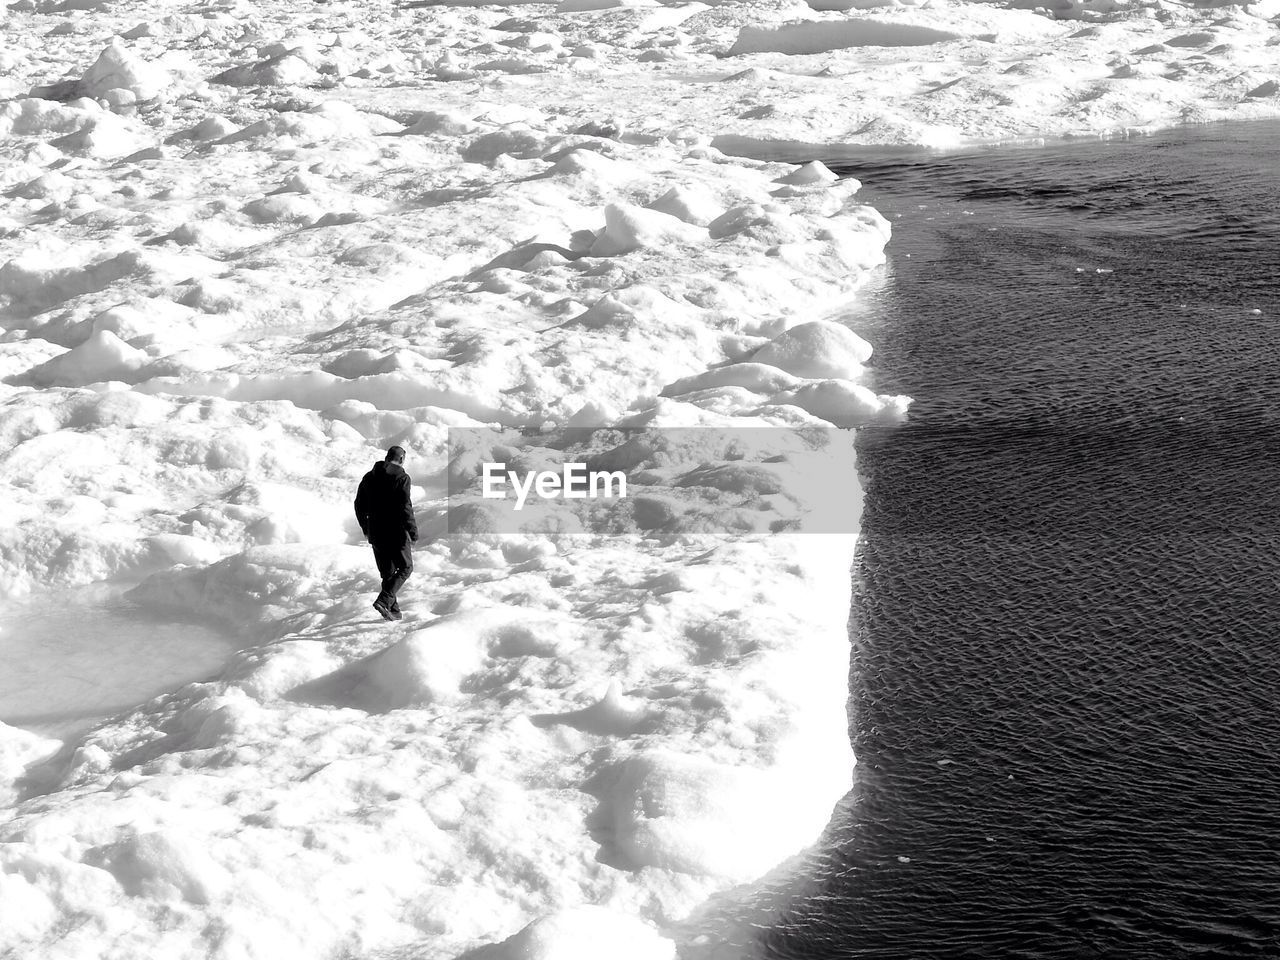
817	350
19	749
246	245
117	69
104	356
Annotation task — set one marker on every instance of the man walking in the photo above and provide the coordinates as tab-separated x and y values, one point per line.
385	514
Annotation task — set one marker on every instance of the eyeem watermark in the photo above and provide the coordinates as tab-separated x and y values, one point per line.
660	481
573	482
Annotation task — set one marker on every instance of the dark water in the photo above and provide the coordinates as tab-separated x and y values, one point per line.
1067	633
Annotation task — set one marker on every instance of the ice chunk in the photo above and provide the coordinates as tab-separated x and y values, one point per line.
765	223
629	228
118	69
809	173
818	350
688	204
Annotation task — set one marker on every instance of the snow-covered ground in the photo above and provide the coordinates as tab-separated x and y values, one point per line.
246	246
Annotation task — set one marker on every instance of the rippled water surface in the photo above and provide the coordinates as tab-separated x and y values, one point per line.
1067	638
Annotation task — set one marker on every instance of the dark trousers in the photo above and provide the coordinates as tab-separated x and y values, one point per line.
395	562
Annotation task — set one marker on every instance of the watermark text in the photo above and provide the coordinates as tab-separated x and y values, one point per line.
572	482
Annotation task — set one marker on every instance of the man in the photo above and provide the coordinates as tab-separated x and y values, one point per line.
385	514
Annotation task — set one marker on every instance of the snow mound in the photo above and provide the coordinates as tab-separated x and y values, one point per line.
762	378
325	121
814	172
187	550
162	865
106	136
318	390
117	68
275	514
614	714
632	306
824	36
285	69
578	933
32	283
32	116
516	140
628	228
104	356
447	123
19	749
213	127
688	204
845	404
257	582
818	350
431	666
688	813
282	209
583	6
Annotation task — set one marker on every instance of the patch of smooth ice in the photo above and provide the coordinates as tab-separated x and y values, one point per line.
71	660
822	36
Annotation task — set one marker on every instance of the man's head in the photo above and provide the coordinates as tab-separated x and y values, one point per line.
395	454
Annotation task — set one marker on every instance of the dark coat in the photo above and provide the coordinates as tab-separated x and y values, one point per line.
383	508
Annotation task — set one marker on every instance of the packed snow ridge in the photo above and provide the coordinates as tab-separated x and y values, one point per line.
244	247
